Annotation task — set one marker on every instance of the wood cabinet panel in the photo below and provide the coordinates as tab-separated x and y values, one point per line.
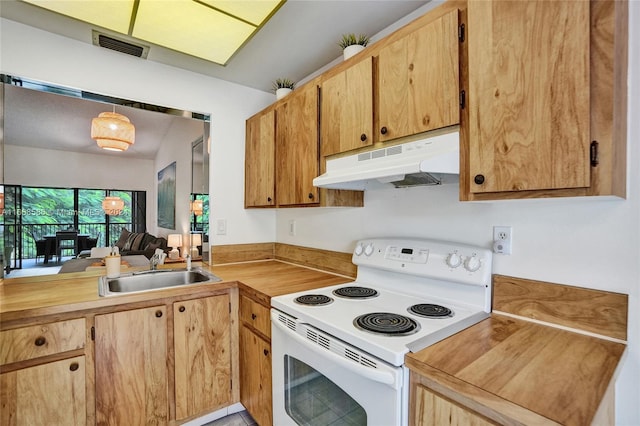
41	340
131	367
260	161
346	119
418	82
52	393
297	147
202	344
255	315
430	409
528	95
255	376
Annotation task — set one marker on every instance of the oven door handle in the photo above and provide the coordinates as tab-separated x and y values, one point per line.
385	377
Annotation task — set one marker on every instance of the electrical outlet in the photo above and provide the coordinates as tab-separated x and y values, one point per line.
292	228
502	239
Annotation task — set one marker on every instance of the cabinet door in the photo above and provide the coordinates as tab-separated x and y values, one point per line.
255	376
47	394
346	119
202	343
433	410
297	147
528	95
131	367
418	85
260	161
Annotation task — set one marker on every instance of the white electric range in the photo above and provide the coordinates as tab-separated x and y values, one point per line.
408	294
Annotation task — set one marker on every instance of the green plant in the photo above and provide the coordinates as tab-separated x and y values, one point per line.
283	83
351	39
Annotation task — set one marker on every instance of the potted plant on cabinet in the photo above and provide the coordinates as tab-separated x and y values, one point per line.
282	87
352	44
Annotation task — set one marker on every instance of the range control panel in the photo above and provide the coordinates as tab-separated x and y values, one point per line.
428	258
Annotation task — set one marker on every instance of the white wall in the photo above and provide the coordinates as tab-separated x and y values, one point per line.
31	53
592	243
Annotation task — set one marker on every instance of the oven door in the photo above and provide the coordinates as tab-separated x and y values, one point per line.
320	380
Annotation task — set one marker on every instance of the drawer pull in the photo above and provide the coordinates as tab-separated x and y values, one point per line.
254	316
74	366
266	352
158	314
40	341
182	308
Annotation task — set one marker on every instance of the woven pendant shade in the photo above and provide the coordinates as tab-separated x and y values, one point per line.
112	205
112	131
197	207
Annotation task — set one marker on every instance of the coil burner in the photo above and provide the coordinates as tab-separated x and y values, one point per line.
313	299
355	292
386	323
429	310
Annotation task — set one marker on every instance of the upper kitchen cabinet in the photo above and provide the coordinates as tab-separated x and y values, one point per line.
546	108
260	159
297	147
418	80
346	119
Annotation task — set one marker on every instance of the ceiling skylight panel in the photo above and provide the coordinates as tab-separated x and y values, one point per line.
254	11
190	27
114	14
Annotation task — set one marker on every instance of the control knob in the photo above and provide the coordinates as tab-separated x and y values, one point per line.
368	250
472	264
454	260
359	249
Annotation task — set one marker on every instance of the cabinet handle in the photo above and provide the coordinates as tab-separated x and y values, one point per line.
383	130
40	341
254	316
269	199
158	314
310	196
479	179
182	308
266	352
74	366
363	137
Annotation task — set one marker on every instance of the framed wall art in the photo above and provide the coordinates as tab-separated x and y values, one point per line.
167	197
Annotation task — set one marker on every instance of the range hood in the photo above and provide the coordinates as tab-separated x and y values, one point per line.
422	162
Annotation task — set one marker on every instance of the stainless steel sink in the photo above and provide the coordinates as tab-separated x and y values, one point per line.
153	280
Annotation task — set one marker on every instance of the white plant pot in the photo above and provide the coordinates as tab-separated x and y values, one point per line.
282	92
349	51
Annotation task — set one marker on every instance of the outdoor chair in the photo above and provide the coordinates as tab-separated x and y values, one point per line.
40	244
66	240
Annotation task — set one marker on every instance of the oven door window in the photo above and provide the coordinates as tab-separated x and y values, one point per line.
314	400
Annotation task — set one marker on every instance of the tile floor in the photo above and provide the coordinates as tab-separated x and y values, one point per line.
243	418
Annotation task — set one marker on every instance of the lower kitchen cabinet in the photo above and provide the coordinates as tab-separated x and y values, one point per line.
131	367
431	409
255	360
202	345
51	393
43	377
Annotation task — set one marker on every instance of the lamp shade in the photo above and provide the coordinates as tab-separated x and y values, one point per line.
197	207
174	240
112	206
196	240
112	131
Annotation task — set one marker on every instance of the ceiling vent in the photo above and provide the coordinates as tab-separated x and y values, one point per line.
119	45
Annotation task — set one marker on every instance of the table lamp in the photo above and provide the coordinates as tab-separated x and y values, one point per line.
196	240
175	242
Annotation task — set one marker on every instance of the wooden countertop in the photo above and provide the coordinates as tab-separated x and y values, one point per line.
516	371
28	297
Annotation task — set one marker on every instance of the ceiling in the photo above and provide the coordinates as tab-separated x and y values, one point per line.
299	39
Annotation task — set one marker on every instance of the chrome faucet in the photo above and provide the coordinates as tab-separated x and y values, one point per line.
153	262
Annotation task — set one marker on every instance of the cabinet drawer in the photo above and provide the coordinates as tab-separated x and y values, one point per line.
37	341
256	315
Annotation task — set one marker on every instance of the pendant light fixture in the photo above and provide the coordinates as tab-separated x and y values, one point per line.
113	131
196	207
112	206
